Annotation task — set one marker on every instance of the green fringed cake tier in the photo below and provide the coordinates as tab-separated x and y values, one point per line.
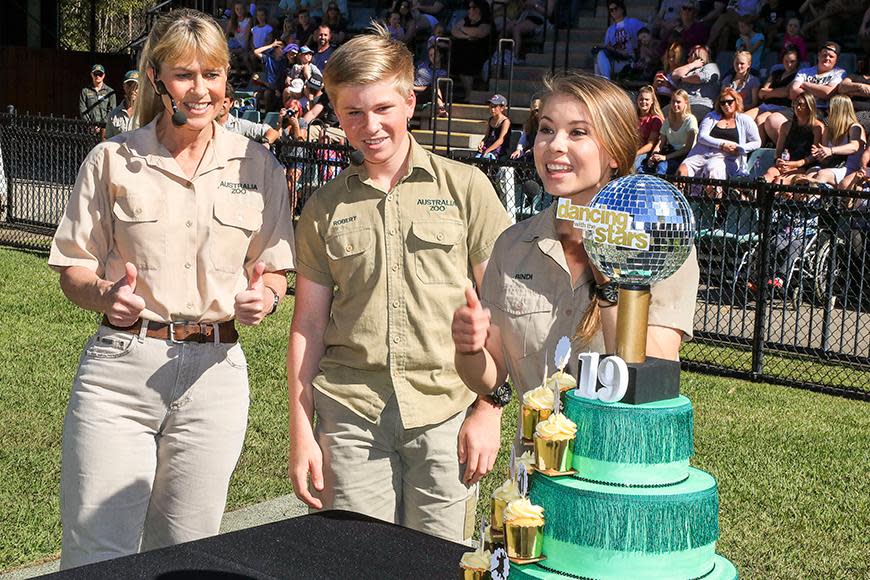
608	532
636	445
721	569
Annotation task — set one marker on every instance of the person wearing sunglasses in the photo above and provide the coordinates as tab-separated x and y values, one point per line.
725	138
97	100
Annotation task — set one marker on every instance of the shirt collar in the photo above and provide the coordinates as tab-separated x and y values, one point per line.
420	158
543	231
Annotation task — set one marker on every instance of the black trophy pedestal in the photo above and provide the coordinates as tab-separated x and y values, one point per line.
655	379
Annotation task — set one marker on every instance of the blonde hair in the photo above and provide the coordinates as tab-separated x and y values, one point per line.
742	54
808	98
370	58
672	114
176	37
656	109
841	117
613	116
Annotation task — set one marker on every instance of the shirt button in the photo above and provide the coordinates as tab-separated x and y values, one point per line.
395	303
395	268
439	237
188	223
389	198
190	305
187	265
348	247
396	339
137	211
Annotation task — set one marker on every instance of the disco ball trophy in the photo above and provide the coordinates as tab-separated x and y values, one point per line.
638	229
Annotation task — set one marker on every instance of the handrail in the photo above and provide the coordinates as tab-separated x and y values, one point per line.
448	103
433	112
500	63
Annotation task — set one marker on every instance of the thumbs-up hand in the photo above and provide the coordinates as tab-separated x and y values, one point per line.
470	324
125	305
254	302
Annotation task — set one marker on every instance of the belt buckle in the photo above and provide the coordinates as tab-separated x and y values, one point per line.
201	325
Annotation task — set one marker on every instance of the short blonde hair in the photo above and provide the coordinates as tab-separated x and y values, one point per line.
612	113
177	36
370	58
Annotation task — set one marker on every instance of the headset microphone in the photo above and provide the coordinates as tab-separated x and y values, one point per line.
357	157
178	117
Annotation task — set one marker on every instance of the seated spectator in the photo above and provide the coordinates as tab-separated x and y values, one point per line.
425	75
677	137
796	140
842	145
410	22
674	57
525	146
288	32
728	20
725	138
529	22
304	67
773	94
238	31
820	80
772	20
294	91
698	77
325	48
692	32
666	18
310	94
259	132
434	10
261	31
793	39
394	25
821	14
497	128
620	41
471	39
857	87
743	81
274	73
320	109
750	41
650	121
647	57
304	28
337	23
857	179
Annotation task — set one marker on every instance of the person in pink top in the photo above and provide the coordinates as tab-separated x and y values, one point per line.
650	121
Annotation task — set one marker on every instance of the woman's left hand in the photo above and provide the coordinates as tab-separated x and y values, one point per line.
254	302
729	148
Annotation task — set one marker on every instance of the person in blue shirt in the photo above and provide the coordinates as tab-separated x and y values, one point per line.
274	72
750	41
620	41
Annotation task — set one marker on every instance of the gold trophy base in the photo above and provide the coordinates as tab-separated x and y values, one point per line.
531	417
527	560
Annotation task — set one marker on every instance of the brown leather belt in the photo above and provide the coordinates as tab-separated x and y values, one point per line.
182	331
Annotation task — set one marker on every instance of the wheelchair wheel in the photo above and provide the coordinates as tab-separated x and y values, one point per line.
826	270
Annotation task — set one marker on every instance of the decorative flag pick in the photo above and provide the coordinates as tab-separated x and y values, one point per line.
557	399
563	353
512	468
524	483
483	525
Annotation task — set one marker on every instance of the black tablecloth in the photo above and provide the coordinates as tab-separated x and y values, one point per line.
334	544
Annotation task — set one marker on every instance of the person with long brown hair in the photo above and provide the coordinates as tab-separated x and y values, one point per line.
174	232
540	284
649	124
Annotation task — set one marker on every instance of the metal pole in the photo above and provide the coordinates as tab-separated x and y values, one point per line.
448	101
448	42
764	198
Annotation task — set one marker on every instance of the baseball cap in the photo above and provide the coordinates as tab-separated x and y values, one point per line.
98	68
497	100
832	46
131	76
296	85
291	48
305	50
315	82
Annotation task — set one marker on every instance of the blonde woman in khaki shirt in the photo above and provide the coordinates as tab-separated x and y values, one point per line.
539	284
173	231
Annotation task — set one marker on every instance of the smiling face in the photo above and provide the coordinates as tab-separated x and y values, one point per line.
198	89
375	118
742	64
793	27
827	60
644	103
679	104
568	155
790	61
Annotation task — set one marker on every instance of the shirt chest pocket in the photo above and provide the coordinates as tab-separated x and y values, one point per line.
528	317
351	261
236	219
140	229
438	251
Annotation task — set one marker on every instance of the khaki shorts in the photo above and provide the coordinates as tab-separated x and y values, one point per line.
410	477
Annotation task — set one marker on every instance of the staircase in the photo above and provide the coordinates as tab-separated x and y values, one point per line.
468	121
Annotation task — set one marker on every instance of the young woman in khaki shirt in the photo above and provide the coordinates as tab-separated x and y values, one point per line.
539	282
173	231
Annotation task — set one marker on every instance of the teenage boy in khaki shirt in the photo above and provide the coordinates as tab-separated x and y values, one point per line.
385	255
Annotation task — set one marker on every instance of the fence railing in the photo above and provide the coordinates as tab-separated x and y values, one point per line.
784	294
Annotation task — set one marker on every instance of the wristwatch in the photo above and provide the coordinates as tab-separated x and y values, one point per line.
501	396
608	292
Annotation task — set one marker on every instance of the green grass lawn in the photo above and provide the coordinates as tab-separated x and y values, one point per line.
792	465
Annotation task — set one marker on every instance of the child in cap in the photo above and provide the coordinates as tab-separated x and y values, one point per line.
497	129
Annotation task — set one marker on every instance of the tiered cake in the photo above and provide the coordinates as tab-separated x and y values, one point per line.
634	509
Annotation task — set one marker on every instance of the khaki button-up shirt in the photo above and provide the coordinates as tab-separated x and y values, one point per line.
193	241
399	263
529	291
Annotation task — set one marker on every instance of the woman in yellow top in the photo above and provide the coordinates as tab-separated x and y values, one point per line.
539	284
174	231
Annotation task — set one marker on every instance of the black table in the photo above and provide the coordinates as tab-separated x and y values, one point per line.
333	544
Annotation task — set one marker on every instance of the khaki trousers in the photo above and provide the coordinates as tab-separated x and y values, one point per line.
410	477
151	436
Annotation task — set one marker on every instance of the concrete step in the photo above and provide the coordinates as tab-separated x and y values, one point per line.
578	60
465	140
478	111
577	45
525	72
456	125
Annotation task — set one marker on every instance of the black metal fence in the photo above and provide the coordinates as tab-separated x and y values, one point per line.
783	296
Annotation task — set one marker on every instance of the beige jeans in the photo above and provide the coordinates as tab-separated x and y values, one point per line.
151	436
410	477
